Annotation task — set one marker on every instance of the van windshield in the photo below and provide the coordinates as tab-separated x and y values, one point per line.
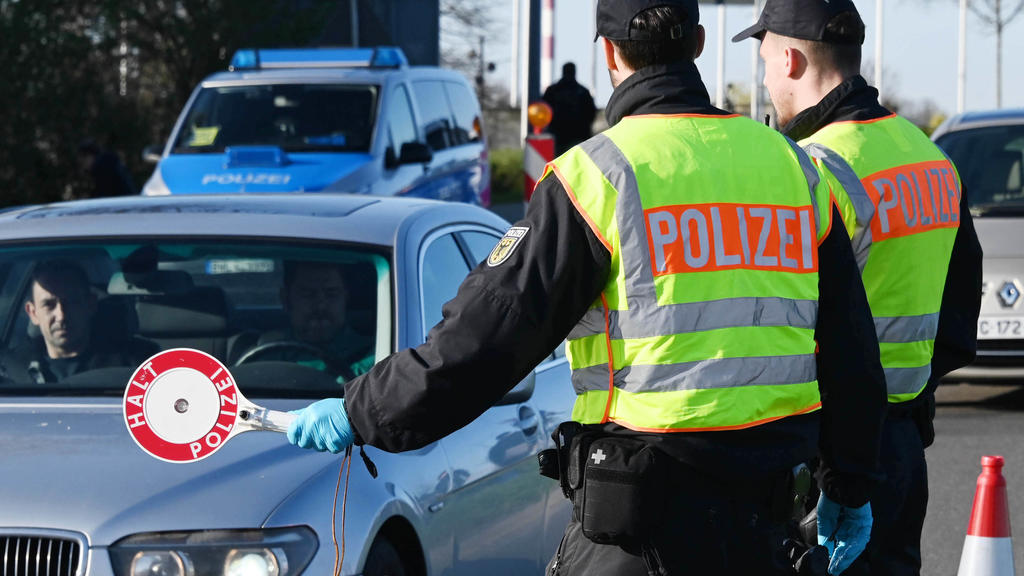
287	320
294	117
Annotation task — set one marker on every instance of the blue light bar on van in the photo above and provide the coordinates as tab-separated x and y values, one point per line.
264	59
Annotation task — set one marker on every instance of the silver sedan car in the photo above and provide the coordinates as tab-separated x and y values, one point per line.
217	274
988	151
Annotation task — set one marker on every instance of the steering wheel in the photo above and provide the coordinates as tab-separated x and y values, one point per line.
254	354
333	365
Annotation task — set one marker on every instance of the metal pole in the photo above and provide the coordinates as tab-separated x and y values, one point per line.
354	13
482	82
720	89
547	44
879	33
755	85
513	83
524	99
595	52
961	73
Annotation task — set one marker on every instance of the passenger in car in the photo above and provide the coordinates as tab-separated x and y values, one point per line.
62	307
315	297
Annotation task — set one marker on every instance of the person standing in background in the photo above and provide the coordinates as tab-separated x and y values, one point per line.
572	110
108	173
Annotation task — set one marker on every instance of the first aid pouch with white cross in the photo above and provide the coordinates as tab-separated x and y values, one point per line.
619	488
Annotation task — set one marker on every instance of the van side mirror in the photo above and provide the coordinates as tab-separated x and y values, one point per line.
151	154
521	393
415	153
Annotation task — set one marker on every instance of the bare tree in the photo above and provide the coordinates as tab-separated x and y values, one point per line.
996	14
465	27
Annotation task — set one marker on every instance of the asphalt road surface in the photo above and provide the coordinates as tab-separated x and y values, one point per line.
971	421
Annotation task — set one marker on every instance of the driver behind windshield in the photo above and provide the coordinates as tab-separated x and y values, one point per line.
62	306
315	298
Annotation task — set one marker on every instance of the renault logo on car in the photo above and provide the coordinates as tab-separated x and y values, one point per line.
1009	294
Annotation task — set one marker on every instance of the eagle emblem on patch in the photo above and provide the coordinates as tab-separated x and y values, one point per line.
507	245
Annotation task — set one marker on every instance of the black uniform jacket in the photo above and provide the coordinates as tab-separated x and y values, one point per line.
506	319
956	339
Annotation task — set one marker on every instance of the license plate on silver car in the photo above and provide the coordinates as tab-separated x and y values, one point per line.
1001	327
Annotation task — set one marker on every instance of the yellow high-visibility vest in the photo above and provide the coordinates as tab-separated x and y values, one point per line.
707	319
901	209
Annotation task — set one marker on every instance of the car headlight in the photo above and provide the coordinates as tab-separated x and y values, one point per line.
271	552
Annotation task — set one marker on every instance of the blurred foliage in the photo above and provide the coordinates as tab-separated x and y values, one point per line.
117	72
506	175
934	122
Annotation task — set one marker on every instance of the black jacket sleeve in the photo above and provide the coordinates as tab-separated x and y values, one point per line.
504	320
850	376
956	340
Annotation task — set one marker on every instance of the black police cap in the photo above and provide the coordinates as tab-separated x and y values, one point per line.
614	18
803	19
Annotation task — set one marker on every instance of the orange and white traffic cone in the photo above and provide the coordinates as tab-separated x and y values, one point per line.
988	550
539	150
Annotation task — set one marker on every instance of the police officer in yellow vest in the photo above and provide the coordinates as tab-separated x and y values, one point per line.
688	257
903	207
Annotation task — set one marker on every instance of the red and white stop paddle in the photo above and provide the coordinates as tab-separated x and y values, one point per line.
183	405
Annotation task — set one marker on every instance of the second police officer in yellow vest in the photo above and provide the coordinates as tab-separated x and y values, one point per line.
688	257
903	207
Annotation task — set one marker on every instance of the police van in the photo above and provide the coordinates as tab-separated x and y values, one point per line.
357	120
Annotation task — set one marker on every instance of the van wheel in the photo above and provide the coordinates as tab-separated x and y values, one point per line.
383	560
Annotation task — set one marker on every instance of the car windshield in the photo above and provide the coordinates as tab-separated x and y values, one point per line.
294	117
989	161
288	320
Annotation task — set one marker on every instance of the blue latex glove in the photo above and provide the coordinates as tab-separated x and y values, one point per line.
843	531
322	426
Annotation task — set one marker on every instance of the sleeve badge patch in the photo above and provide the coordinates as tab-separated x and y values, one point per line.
507	245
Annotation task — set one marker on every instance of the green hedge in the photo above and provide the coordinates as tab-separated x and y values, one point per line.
506	175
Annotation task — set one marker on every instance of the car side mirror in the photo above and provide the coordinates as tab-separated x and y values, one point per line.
415	153
152	154
521	393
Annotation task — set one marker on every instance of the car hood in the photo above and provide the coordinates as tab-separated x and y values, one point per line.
222	173
1001	237
74	467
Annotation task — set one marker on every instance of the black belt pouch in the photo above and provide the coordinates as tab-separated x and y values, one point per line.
619	487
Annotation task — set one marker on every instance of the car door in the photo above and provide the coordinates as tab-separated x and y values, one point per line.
497	503
399	127
552	400
446	174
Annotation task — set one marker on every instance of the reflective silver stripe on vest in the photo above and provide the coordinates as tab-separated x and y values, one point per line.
702	375
698	317
899	380
952	168
863	207
902	329
640	292
811	174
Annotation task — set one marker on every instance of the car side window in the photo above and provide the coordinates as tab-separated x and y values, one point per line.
435	114
467	114
443	270
560	351
401	126
479	245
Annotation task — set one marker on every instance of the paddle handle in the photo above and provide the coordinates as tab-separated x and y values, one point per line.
270	420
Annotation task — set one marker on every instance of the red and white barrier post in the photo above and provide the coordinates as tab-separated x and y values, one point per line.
988	550
539	148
